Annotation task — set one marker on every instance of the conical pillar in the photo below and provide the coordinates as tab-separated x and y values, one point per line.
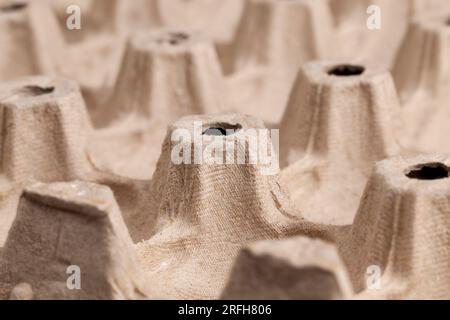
422	76
297	268
203	208
165	75
402	230
282	33
339	121
340	111
369	30
423	62
31	39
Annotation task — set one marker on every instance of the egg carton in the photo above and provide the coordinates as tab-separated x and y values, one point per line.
239	149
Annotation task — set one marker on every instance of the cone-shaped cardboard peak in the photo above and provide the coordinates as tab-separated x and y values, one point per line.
25	29
213	204
282	33
339	121
340	111
294	268
198	148
165	74
423	61
45	125
69	241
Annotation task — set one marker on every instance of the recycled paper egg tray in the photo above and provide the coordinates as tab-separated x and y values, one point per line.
239	149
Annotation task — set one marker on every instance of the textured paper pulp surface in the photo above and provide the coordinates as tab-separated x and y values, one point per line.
360	208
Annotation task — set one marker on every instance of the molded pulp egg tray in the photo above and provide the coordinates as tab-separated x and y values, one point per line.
238	149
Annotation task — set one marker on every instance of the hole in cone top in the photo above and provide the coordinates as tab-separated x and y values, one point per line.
346	70
429	171
173	38
222	129
176	37
448	22
34	91
13	7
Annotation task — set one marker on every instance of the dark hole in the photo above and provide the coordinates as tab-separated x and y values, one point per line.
33	91
13	7
222	129
429	171
448	22
346	70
